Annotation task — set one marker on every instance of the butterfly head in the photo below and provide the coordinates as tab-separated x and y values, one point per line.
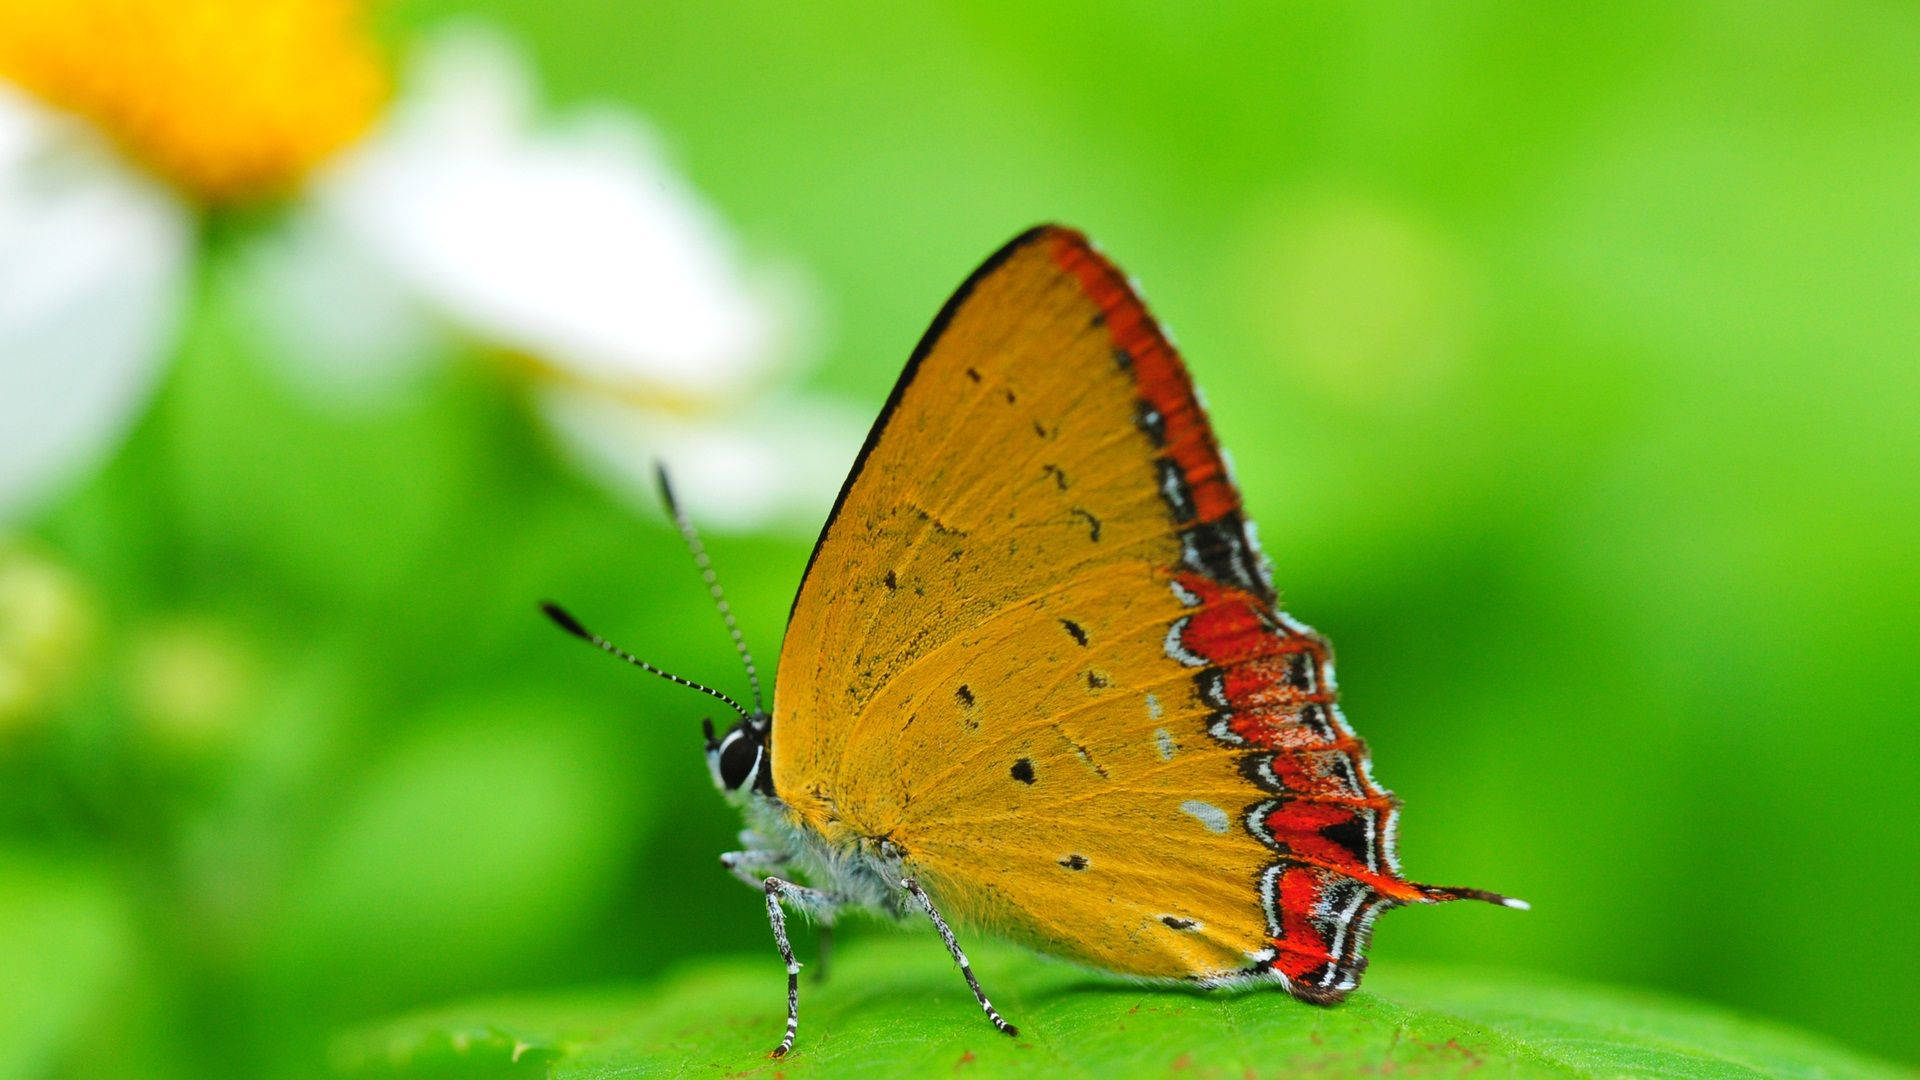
739	759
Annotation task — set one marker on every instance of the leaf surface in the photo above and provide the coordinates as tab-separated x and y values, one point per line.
897	1007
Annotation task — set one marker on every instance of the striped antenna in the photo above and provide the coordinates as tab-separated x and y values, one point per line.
712	579
572	626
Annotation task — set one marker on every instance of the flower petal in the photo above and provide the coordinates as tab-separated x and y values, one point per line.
778	463
334	317
93	270
576	245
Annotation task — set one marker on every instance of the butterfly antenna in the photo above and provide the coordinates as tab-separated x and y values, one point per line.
712	579
572	626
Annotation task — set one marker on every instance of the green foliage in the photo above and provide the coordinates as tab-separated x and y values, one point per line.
898	1008
1566	357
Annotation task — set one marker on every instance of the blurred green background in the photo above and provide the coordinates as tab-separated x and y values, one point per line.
1568	360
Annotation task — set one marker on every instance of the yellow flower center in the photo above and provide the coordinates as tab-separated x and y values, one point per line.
228	99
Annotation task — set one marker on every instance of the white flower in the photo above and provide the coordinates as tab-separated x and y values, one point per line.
575	248
93	269
450	216
781	459
118	123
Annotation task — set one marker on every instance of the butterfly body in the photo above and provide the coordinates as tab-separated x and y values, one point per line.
1036	675
860	872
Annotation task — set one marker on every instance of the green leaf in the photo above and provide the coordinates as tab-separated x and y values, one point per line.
897	1007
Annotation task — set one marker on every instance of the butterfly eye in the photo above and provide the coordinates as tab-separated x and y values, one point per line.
739	759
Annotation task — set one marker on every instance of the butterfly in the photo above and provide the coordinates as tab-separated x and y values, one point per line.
1036	677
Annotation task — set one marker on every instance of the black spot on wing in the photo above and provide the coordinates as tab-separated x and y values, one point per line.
1059	477
892	582
964	696
1350	834
1074	862
1257	768
1174	490
1211	685
1300	671
1086	758
1073	630
1174	923
1023	771
1093	523
1315	719
1222	551
939	526
1149	421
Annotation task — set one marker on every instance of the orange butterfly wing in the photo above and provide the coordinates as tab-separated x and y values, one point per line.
1036	650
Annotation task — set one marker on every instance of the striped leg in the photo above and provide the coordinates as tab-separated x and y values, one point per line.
966	969
812	901
750	866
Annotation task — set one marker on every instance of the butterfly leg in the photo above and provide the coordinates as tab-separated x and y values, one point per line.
749	866
753	865
953	947
812	901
